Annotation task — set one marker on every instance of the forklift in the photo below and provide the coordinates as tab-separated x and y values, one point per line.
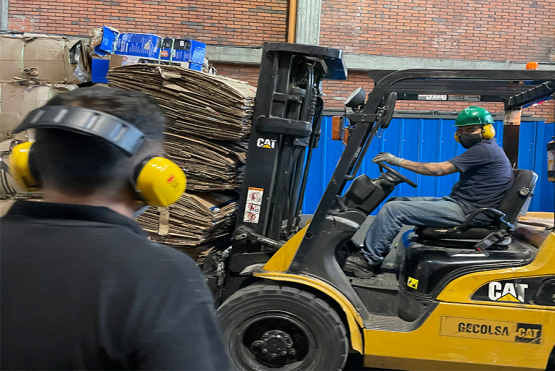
463	298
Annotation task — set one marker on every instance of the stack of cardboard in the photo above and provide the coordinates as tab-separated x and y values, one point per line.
209	165
33	68
194	224
200	104
209	119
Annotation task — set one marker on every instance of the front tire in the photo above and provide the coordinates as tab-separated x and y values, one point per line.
279	327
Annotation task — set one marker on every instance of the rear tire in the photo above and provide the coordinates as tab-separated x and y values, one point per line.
279	327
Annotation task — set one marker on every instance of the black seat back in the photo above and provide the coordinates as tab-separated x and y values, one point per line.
515	202
517	198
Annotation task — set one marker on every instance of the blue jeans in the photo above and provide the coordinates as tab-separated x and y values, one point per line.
417	211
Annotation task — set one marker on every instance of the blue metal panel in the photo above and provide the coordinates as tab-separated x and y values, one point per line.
427	140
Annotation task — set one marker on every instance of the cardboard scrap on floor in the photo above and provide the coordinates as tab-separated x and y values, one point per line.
196	103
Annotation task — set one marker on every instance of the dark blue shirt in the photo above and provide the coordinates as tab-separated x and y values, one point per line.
486	175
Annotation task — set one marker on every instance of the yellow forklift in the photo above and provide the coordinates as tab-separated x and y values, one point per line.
465	298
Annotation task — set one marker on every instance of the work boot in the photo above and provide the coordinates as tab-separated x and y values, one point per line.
358	265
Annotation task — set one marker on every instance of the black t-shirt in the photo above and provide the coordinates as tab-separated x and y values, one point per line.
486	175
83	288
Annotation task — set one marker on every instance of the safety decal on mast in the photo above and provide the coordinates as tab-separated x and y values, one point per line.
254	202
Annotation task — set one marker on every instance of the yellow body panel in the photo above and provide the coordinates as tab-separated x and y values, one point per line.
282	259
436	345
461	289
452	337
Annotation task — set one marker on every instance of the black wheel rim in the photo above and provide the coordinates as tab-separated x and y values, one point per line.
287	339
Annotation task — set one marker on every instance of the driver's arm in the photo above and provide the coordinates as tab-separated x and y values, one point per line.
429	168
423	168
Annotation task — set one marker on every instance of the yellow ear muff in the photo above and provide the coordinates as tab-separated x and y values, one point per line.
160	182
457	138
20	169
488	131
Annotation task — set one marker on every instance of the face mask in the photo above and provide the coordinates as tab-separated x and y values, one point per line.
469	140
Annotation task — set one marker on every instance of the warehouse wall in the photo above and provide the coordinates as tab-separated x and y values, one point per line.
336	92
428	140
226	22
520	31
468	29
460	29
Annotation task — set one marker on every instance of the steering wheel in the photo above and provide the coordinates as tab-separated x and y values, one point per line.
395	173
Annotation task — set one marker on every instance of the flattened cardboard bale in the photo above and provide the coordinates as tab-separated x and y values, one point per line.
195	219
209	165
199	253
43	57
17	99
196	103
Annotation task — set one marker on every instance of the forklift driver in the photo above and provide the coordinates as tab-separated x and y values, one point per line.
486	175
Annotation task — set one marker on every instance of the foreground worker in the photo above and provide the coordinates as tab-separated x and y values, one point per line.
82	286
486	175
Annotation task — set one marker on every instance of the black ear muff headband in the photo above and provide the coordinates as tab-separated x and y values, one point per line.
85	121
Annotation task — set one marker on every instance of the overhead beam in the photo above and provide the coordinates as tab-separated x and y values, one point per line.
366	62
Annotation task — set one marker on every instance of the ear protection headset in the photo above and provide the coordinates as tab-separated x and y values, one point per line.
157	180
488	132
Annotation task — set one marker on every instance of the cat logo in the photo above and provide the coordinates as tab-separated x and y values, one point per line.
412	283
528	333
508	291
266	143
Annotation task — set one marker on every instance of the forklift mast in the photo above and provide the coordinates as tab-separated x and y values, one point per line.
285	130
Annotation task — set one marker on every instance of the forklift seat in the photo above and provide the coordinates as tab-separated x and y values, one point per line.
496	233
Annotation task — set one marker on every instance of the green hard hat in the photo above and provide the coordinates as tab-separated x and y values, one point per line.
474	115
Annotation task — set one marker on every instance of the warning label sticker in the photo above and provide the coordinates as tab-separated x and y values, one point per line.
412	283
253	205
491	330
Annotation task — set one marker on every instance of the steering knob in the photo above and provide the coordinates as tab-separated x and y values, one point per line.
396	174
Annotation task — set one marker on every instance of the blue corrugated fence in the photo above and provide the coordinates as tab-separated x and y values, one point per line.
428	140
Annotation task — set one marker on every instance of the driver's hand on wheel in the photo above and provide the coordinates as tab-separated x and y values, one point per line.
389	158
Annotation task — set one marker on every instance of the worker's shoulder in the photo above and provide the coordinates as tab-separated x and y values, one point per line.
492	148
118	246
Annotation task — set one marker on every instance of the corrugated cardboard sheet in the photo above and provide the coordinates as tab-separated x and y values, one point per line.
41	57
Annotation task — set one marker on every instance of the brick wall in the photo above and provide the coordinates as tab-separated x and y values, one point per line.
336	92
230	22
469	29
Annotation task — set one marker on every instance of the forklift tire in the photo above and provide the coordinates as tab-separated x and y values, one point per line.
277	327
